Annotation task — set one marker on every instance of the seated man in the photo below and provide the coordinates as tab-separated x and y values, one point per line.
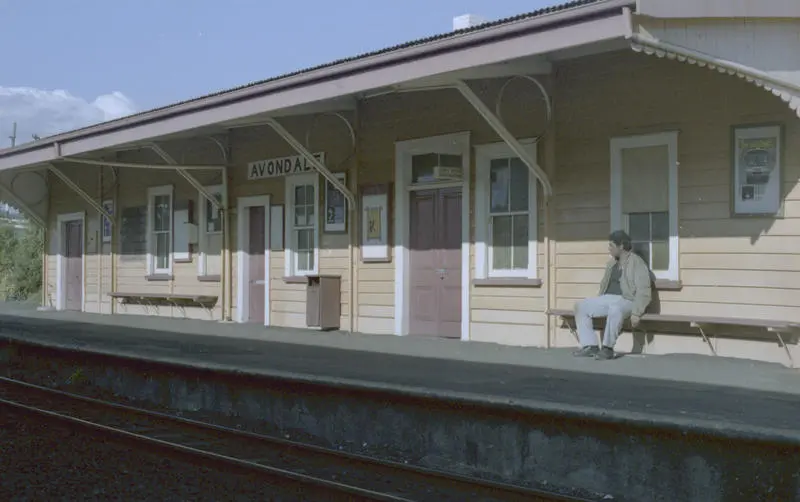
624	292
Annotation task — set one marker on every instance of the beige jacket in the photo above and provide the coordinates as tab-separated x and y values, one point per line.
635	281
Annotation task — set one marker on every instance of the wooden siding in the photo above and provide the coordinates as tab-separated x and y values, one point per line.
287	300
729	267
519	313
744	267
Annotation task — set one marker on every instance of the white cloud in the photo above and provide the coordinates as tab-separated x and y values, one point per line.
44	113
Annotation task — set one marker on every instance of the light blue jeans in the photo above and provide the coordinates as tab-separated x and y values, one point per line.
614	308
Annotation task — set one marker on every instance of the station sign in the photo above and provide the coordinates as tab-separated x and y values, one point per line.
282	166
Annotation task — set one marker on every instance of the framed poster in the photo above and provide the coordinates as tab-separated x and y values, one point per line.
375	224
335	206
757	155
108	205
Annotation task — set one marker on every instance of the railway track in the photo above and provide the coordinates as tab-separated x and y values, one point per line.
313	472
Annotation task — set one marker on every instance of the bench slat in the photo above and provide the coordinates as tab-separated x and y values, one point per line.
723	321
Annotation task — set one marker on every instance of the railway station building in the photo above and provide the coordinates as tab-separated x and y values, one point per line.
460	186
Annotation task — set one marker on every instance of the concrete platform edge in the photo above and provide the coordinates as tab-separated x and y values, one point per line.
610	417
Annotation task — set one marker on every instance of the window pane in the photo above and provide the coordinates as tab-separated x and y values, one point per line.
446	160
305	260
213	215
501	242
299	195
645	179
643	250
520	254
660	256
519	185
422	167
300	216
660	226
305	239
499	177
639	226
161	251
161	212
309	195
310	215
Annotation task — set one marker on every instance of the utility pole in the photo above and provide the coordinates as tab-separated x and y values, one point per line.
13	136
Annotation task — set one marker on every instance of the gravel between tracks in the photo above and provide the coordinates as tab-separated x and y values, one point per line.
42	461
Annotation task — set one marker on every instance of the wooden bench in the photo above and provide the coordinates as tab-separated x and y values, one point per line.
700	323
156	299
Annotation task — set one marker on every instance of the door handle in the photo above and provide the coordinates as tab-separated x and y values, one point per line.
259	282
441	272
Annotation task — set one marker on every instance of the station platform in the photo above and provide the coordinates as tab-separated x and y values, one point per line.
732	397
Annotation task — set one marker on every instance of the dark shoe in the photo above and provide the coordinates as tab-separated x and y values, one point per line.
588	351
605	354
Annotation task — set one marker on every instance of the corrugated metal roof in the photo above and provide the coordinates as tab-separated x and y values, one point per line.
413	43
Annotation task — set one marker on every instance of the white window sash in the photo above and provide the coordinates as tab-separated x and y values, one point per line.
484	251
618	220
291	261
151	241
203	233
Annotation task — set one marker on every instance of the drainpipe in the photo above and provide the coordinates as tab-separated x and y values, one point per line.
115	239
227	269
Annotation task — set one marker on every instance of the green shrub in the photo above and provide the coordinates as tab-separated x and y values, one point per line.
20	262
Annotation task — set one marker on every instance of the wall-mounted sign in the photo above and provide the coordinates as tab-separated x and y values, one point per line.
757	170
282	166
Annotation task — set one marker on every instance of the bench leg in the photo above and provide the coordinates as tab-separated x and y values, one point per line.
573	328
703	334
178	306
785	347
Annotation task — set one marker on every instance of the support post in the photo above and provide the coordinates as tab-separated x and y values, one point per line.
316	164
497	125
78	190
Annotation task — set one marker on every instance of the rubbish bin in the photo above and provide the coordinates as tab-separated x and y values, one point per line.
323	301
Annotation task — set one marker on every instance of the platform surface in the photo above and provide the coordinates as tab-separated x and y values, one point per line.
688	391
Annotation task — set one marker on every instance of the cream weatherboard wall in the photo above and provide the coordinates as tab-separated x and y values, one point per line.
735	267
497	314
728	266
329	135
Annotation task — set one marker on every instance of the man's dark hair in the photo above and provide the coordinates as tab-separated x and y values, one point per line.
620	238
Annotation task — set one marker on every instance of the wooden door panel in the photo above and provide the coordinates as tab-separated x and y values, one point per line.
257	273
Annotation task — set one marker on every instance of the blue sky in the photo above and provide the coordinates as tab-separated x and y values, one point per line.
113	57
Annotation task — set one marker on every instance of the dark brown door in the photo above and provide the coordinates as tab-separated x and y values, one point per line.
73	265
256	268
435	263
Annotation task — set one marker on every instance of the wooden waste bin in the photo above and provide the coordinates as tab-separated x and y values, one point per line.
323	301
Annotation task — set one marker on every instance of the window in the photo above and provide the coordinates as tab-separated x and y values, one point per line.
159	230
506	217
210	234
302	200
644	198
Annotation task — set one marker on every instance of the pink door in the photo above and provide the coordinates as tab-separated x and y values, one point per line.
435	263
73	266
256	268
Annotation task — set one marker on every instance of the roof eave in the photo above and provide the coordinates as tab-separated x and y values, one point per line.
606	18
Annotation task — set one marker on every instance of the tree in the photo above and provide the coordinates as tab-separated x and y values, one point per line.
20	261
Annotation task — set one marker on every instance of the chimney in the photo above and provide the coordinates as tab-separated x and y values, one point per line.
467	21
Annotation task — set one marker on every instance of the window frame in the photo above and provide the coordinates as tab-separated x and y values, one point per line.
618	220
484	155
202	246
152	193
290	263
